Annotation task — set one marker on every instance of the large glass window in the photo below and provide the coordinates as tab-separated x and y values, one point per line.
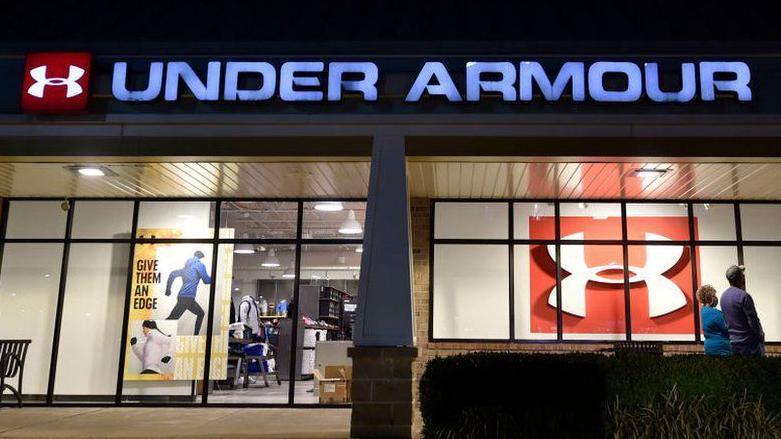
762	280
91	322
591	279
29	283
270	343
471	291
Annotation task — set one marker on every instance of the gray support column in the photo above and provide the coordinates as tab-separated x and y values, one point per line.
384	315
384	337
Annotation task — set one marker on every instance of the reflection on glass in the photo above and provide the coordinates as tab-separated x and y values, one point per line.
102	219
334	220
714	222
760	222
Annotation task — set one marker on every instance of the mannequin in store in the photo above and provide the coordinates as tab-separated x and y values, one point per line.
154	351
249	315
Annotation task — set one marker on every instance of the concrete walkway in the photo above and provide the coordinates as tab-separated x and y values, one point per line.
127	423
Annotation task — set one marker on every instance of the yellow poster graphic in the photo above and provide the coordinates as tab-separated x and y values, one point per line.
169	302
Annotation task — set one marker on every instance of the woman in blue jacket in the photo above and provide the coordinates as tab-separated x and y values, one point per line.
713	324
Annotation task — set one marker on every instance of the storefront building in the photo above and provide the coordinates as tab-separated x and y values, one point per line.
378	210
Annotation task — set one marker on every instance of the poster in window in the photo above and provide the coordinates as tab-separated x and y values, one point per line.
592	287
169	302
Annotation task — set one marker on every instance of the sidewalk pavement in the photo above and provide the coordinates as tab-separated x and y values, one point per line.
130	422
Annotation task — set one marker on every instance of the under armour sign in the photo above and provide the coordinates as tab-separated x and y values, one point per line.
56	82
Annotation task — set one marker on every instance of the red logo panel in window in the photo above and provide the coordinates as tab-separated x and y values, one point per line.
56	82
592	288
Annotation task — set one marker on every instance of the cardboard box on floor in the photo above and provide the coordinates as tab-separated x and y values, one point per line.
335	385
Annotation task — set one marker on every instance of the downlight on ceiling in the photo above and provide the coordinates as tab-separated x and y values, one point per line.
244	249
329	206
649	173
91	171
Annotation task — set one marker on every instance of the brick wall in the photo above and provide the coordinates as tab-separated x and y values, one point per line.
421	224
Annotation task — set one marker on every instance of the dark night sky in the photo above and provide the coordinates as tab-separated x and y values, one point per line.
395	24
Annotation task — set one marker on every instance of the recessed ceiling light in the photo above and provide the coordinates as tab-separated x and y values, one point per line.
91	172
329	206
649	173
359	249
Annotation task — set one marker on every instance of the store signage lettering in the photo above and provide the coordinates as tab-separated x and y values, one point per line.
513	82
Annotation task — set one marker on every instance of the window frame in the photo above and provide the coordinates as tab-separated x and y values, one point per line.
50	398
691	244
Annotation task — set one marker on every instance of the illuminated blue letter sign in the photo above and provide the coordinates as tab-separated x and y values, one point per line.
152	91
288	81
367	86
688	84
570	71
444	87
203	92
739	85
268	81
596	85
505	85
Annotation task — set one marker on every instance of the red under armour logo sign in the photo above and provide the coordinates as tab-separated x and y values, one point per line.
56	82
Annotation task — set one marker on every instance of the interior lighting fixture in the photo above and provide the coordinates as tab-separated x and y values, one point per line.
329	206
350	226
271	260
649	173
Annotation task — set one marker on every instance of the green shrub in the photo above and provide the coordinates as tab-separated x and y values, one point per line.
497	395
672	416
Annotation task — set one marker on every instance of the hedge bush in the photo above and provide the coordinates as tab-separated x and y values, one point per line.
538	395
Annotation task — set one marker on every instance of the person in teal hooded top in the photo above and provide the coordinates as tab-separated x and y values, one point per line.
713	324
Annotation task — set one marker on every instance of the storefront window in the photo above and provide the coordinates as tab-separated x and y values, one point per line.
590	221
592	292
761	222
657	222
175	220
29	283
535	280
534	220
334	219
166	328
660	288
91	328
256	346
471	220
258	220
471	291
714	222
327	302
762	280
36	220
102	219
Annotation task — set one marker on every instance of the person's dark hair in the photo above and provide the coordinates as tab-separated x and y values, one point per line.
736	276
151	324
198	254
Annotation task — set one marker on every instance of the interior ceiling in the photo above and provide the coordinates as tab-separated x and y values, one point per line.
441	178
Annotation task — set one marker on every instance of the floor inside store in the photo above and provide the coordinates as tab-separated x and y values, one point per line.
258	393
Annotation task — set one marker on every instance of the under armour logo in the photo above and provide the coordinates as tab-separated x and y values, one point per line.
41	81
56	82
664	296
